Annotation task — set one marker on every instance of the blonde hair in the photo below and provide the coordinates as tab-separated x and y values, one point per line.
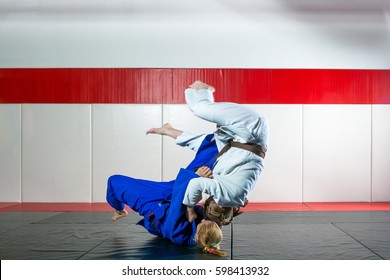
209	236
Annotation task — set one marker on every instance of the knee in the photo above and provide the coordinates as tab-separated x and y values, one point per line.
112	179
112	184
201	109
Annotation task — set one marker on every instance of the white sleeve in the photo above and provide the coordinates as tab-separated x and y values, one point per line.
195	189
230	188
190	140
222	197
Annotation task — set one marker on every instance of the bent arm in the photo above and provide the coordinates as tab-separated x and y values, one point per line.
227	189
201	185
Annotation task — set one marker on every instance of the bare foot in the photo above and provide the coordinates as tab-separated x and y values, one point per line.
200	85
166	129
160	130
119	214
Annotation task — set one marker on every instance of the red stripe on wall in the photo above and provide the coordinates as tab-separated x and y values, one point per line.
165	86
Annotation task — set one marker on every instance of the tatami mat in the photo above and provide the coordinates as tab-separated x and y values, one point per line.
351	235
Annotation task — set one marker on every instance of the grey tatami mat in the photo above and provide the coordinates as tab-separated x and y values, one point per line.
89	218
312	235
256	236
41	235
312	217
136	243
87	235
296	242
13	220
375	236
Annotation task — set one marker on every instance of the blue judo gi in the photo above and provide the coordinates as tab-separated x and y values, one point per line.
161	202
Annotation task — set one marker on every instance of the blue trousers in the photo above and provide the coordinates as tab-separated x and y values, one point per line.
142	196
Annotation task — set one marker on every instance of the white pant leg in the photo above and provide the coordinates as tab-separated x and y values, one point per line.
241	123
201	103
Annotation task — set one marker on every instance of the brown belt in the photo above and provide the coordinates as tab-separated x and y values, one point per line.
254	148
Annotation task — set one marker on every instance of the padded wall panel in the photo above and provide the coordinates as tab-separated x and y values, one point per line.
380	153
56	157
336	153
120	145
10	152
281	179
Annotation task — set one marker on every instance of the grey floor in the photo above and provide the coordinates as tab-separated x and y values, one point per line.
253	236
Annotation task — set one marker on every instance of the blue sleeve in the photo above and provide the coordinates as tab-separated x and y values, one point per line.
176	227
206	154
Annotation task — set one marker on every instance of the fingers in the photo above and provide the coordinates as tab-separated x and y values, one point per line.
190	214
205	171
208	173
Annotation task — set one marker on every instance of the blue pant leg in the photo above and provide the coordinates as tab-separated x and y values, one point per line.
111	195
142	196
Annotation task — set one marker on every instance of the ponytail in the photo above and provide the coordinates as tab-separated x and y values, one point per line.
214	251
208	236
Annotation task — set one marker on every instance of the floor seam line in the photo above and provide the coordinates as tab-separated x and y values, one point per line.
231	241
98	245
357	241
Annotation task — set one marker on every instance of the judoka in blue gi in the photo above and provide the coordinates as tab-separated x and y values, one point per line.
160	203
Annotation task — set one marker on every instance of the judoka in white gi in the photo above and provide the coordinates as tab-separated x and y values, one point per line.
236	171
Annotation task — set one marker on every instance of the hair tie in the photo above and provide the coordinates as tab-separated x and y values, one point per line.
213	244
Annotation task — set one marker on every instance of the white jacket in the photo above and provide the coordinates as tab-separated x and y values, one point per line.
237	170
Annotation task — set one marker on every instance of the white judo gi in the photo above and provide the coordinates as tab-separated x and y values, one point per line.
236	171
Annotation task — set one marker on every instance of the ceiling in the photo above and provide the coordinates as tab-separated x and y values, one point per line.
174	7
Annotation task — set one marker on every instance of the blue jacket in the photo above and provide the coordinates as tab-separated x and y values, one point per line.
168	220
